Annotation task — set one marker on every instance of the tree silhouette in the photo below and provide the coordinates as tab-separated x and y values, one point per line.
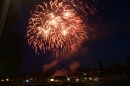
101	71
128	65
118	68
128	61
108	70
11	45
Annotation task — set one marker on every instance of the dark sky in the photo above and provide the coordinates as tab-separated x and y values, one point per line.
109	36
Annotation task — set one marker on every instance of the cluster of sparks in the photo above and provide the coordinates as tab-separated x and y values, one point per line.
58	26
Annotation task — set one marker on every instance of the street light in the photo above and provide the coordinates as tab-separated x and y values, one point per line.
3	14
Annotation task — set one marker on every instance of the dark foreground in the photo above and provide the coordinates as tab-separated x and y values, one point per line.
105	83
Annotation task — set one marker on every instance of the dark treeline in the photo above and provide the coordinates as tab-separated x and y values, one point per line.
117	69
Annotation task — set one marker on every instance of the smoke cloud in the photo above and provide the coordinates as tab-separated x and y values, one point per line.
63	72
74	66
46	67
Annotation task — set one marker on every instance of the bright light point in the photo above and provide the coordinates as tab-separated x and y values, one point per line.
7	79
2	80
68	79
45	32
64	32
90	78
66	14
27	80
77	80
52	80
52	21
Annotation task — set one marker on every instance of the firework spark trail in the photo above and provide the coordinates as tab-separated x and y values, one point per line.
58	25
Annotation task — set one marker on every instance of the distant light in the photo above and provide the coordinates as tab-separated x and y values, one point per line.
27	81
77	80
30	78
85	74
2	80
85	78
68	79
96	79
52	80
7	79
90	78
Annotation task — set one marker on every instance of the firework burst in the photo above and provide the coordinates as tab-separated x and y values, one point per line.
58	26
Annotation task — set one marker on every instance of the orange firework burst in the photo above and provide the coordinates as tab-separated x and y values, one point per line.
58	26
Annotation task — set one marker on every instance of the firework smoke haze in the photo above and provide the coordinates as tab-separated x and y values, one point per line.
58	26
46	67
61	72
73	66
64	72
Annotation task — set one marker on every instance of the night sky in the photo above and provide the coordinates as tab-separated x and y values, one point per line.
109	36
